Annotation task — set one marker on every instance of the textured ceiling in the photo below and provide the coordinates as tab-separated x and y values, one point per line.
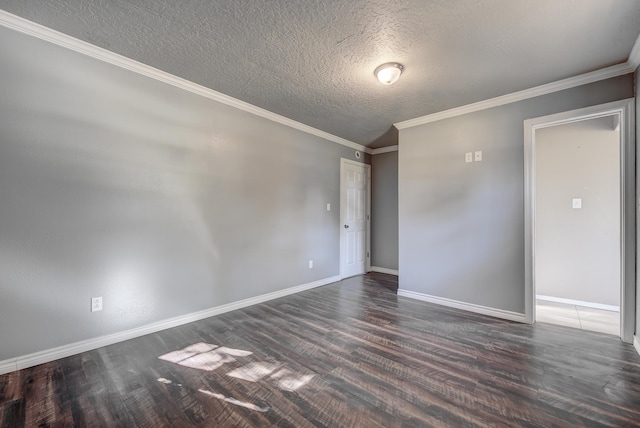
313	60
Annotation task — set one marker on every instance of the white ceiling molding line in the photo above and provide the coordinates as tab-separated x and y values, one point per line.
382	150
571	82
634	56
52	36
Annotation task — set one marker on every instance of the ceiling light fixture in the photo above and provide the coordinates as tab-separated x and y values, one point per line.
388	73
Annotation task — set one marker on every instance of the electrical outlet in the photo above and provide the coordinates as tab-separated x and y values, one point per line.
310	264
478	156
468	157
328	206
96	304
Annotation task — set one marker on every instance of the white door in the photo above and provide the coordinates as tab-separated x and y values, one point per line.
354	215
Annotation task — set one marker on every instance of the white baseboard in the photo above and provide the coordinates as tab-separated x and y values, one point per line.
384	270
636	343
7	366
578	303
484	310
52	354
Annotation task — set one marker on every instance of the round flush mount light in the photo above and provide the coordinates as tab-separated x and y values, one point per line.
388	73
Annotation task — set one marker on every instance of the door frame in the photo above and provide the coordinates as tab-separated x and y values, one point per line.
343	163
625	111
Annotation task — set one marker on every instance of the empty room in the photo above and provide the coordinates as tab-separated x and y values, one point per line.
319	213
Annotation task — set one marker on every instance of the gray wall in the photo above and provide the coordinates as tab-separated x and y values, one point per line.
461	225
163	202
384	210
578	250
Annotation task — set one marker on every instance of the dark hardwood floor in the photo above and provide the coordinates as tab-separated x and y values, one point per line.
350	354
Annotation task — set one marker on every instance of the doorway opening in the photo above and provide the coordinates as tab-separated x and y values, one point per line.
577	233
579	219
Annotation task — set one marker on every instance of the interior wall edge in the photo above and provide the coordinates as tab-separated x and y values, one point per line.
56	353
634	56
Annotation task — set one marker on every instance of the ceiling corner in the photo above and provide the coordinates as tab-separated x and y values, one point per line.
634	55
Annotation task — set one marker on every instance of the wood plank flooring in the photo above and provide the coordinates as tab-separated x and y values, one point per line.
350	354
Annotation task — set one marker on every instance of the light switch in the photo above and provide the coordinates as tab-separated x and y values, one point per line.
328	206
96	304
478	156
576	203
468	157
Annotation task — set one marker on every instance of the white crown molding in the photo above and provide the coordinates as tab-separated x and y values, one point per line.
382	150
384	270
48	355
634	56
484	310
52	36
571	82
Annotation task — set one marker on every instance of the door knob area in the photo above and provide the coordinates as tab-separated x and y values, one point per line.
346	226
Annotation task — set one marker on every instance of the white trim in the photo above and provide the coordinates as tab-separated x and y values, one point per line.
484	310
625	110
571	82
636	343
25	26
612	308
52	36
384	270
382	150
7	366
52	354
634	56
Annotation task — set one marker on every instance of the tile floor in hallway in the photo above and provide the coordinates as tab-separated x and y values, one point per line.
578	317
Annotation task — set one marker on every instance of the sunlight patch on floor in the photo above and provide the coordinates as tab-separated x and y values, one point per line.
204	356
218	396
208	357
290	381
234	401
253	372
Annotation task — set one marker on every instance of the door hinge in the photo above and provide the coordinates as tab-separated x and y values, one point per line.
367	254
368	217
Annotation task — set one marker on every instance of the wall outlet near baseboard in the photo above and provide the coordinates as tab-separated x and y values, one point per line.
310	264
96	304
